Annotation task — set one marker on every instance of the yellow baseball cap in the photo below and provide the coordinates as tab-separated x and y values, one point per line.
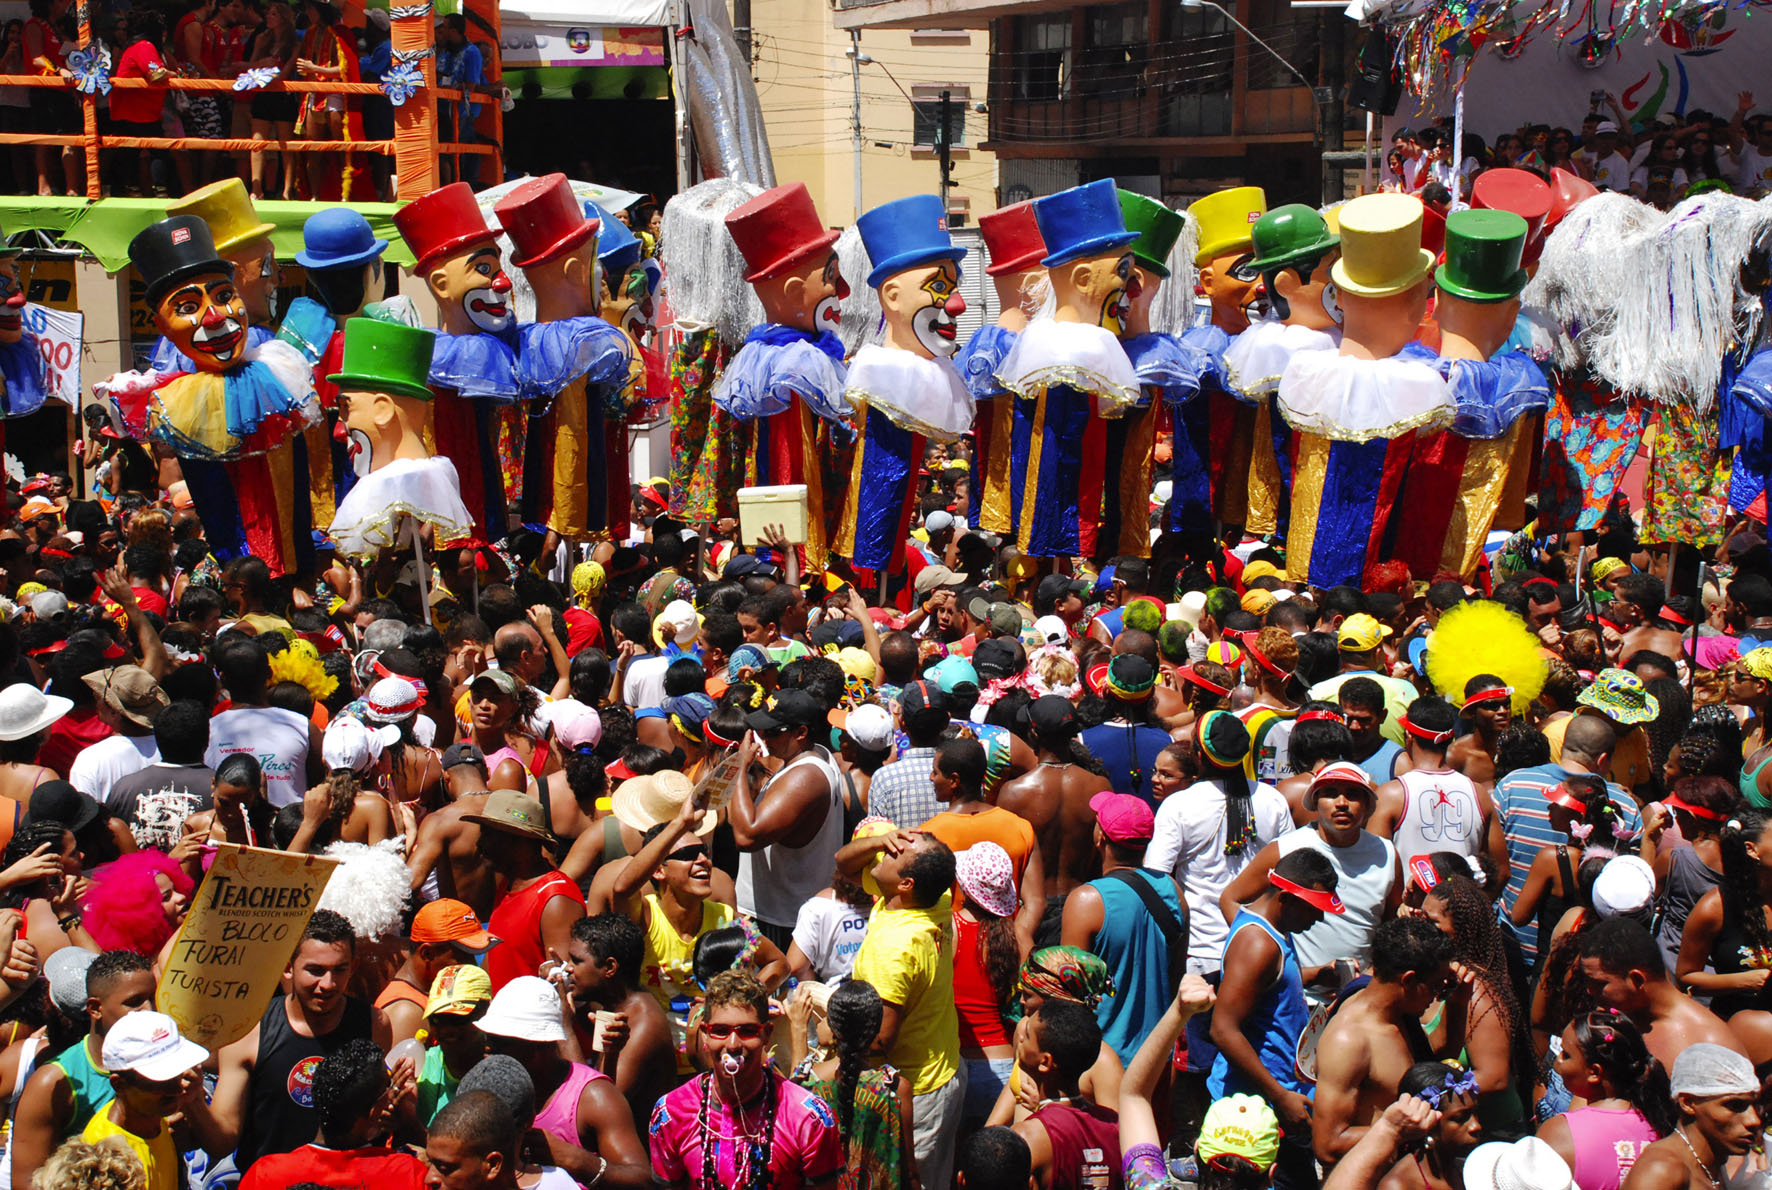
1262	568
459	991
1258	602
1227	221
1360	633
1381	252
1240	1126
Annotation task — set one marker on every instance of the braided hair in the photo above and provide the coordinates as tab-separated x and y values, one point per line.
1610	1040
1743	901
854	1012
1477	944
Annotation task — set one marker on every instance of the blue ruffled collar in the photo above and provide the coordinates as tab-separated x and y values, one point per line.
777	334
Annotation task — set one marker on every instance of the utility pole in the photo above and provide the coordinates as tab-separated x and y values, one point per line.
855	116
944	145
741	29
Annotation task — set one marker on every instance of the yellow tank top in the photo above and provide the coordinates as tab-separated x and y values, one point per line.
156	1154
668	969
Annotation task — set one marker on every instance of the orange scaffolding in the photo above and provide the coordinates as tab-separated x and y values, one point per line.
415	148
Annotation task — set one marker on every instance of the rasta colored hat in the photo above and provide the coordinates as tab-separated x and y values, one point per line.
172	251
442	223
1620	695
1227	220
228	210
1012	239
1130	678
1483	252
1221	739
906	233
777	230
543	217
1287	236
1240	1126
1082	221
1381	246
386	357
1158	228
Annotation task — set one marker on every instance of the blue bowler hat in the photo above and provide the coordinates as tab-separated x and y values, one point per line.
1082	221
904	234
617	247
338	238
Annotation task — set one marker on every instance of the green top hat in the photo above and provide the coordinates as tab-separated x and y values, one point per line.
386	357
1290	234
1157	226
1483	250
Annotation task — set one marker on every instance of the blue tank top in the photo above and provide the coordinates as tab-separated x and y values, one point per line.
90	1084
1273	1023
1131	944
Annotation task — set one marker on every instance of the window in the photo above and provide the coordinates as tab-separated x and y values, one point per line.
1115	48
1039	57
926	122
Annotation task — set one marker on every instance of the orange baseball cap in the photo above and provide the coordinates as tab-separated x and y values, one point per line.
449	920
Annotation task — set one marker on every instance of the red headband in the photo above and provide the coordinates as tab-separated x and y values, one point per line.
1498	692
1313	716
714	737
1188	673
1260	658
1328	902
1422	733
1421	870
1675	802
1668	613
1562	797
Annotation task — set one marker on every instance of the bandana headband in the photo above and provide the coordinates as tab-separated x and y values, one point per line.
1422	733
1494	694
1322	716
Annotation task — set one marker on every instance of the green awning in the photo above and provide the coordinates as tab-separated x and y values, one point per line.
104	228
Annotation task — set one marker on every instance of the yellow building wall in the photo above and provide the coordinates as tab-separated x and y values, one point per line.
804	83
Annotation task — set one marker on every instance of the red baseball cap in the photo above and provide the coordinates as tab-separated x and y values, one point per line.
449	920
1124	818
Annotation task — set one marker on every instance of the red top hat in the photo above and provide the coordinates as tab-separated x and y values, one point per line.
543	217
1520	191
1433	230
1567	192
778	229
1012	238
442	222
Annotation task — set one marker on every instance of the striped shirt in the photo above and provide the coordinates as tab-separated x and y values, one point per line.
1522	803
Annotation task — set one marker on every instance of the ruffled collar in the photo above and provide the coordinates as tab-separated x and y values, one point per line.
778	363
1257	358
1075	355
1492	394
778	334
1347	399
983	355
924	396
482	365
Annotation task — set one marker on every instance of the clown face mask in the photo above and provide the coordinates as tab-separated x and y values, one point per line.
1137	304
807	298
257	274
206	320
475	284
12	302
1234	288
378	428
922	307
1309	301
1097	290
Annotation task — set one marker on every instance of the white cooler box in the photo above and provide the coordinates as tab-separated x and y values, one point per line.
783	504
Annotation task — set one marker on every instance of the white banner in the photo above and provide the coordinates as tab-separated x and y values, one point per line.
58	338
1687	67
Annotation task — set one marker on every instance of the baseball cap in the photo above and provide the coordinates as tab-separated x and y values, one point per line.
870	726
527	1008
938	521
1051	630
1124	818
1053	716
1261	568
49	605
458	754
501	680
746	565
1240	1126
932	578
449	920
790	708
1054	587
575	724
350	744
951	672
459	990
1360	633
1625	886
1605	126
996	658
922	696
1259	602
149	1044
1004	619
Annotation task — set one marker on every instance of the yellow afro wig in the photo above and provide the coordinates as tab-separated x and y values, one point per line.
1485	638
300	663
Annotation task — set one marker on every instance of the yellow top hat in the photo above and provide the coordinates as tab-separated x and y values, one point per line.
1381	252
1227	219
228	211
1332	216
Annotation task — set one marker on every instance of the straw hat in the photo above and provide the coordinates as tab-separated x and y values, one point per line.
644	802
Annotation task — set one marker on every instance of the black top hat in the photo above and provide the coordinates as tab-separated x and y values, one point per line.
175	250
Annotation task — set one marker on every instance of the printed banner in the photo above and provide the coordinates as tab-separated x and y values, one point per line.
528	43
235	943
59	338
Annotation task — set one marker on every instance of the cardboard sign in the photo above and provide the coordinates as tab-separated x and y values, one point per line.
240	934
59	335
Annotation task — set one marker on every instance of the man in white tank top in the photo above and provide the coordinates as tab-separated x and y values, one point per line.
1432	807
789	832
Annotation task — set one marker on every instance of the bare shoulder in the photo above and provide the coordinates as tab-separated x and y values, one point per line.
1661	1166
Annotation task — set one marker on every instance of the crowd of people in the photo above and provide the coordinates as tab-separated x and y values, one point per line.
1659	161
677	865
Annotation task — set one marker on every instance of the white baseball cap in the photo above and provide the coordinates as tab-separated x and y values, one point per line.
938	520
351	744
1052	630
1625	885
527	1008
870	726
149	1044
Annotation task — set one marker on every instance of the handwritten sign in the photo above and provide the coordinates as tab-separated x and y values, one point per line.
239	936
59	334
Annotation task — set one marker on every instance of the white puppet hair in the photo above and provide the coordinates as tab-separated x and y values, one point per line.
1173	310
704	270
863	319
369	887
1650	301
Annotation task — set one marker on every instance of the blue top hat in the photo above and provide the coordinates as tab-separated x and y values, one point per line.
904	234
1082	221
337	238
617	247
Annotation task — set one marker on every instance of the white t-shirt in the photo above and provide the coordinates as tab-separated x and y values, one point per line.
277	737
99	765
1189	843
1365	875
830	931
644	685
1612	172
1755	168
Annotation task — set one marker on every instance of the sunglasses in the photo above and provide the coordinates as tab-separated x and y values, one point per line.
688	855
744	1032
